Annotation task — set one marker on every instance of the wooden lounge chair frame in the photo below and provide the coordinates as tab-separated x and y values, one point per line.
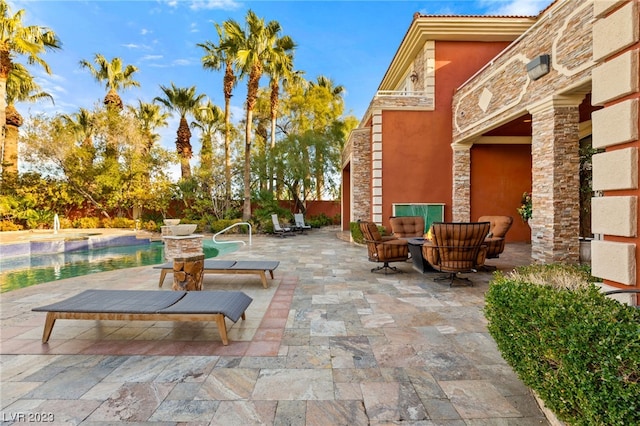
160	306
211	266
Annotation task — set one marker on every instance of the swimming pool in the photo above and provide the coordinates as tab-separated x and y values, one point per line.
25	271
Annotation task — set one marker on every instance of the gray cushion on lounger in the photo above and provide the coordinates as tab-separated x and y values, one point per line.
231	304
116	301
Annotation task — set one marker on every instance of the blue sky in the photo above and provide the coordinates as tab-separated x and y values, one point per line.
351	42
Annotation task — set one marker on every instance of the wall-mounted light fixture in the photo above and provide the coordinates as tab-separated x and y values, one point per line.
538	67
414	76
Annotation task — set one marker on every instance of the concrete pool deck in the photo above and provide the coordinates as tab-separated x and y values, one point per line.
328	343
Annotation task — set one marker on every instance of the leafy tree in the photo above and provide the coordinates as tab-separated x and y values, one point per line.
137	179
183	101
252	48
82	125
17	39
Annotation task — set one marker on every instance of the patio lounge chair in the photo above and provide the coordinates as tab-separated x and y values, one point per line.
278	229
383	249
300	225
456	248
212	266
149	305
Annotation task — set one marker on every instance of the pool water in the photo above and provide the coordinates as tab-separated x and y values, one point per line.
31	270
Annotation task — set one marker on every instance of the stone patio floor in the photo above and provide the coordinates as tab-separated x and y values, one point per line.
328	343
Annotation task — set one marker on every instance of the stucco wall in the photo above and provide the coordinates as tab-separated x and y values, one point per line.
500	174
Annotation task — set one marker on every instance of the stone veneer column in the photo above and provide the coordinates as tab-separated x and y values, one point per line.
361	174
461	197
376	167
555	224
616	86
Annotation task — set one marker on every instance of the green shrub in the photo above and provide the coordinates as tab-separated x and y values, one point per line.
319	221
579	350
7	225
356	233
119	222
219	225
87	223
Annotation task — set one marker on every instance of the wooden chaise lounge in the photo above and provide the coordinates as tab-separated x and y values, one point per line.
149	305
212	266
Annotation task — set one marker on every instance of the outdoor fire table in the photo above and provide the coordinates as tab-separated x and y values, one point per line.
420	264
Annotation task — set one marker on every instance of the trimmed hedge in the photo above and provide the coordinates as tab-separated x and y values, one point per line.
579	350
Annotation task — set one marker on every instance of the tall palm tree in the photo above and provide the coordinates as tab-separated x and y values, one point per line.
280	70
149	117
252	48
183	101
20	88
215	57
17	39
114	76
209	120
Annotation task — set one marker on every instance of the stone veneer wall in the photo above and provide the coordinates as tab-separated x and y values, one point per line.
503	91
461	208
360	142
616	86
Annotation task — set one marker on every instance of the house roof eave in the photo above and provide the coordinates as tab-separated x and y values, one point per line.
450	28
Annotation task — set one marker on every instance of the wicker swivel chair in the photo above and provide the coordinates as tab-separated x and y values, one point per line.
383	249
457	248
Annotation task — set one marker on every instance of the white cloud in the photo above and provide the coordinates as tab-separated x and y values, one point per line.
151	57
181	62
145	31
215	4
136	46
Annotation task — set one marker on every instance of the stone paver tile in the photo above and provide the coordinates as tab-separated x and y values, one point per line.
245	413
132	402
477	399
188	369
397	356
139	369
392	402
323	327
289	413
294	384
322	413
308	357
185	411
228	384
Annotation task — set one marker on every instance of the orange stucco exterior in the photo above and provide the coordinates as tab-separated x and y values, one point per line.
418	143
500	174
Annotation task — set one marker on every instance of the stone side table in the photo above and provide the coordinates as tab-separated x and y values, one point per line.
182	246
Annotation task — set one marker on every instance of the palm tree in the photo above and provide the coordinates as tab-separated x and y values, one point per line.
183	101
209	120
215	58
149	117
280	70
19	40
252	49
114	77
20	88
